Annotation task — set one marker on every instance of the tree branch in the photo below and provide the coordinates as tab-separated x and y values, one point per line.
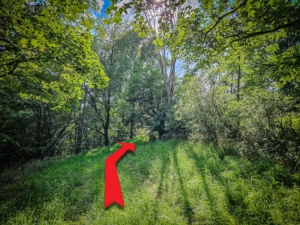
222	17
263	32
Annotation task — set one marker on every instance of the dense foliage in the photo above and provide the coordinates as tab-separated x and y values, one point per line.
223	74
239	87
250	88
55	96
45	58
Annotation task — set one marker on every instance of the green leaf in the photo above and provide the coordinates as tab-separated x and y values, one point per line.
88	24
158	42
251	13
24	42
106	21
34	43
117	19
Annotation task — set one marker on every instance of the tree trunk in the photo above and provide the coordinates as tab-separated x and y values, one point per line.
107	119
238	96
238	83
169	79
131	131
80	124
50	149
131	128
162	129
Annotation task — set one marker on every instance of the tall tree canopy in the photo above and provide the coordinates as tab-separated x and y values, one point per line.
46	51
240	56
158	20
45	58
264	32
70	82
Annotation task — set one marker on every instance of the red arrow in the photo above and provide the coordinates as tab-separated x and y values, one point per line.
113	191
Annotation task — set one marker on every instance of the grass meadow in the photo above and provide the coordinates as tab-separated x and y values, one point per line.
163	182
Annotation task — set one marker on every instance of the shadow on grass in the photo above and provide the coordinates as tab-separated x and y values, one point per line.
200	166
188	211
165	163
162	184
68	178
75	181
235	192
114	205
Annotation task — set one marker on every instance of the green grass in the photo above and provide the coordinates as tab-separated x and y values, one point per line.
165	182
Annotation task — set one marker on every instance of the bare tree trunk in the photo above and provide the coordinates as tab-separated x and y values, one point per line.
169	79
172	79
168	71
238	83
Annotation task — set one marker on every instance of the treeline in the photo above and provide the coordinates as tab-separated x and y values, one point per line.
247	96
45	59
70	82
240	89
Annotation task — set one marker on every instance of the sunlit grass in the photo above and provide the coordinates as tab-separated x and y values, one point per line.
165	182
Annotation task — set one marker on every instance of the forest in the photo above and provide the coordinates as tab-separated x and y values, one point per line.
217	80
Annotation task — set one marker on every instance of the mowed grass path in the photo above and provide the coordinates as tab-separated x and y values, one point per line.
165	182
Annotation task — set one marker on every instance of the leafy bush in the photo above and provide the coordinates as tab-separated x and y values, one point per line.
263	123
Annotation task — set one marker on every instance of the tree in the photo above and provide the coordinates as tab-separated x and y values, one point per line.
158	20
117	50
265	31
45	58
46	51
251	50
145	95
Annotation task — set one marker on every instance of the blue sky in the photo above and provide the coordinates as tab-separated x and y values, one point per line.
104	7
